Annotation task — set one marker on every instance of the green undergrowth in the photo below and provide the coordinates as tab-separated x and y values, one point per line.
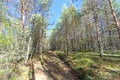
112	52
90	66
2	73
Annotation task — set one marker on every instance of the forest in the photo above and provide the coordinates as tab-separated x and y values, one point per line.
82	44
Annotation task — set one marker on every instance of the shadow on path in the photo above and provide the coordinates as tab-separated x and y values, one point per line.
52	68
57	69
48	73
32	72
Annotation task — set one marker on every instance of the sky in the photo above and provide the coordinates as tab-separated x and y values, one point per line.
56	9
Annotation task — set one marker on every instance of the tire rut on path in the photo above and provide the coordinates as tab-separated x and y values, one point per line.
53	69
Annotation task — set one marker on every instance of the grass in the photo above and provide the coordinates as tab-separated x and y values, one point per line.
111	52
89	66
2	72
13	78
17	73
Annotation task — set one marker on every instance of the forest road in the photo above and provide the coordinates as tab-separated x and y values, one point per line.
53	69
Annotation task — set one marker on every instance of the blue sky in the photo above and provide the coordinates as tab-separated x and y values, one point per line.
56	9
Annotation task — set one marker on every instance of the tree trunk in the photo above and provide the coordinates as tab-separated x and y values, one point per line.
109	32
66	38
28	50
98	30
115	18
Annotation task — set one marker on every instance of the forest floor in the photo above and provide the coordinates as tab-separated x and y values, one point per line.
52	69
56	66
90	66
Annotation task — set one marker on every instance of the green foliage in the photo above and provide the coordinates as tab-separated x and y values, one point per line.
45	4
14	70
68	23
2	73
87	74
118	52
5	40
13	78
2	60
65	13
6	22
38	31
85	62
90	66
38	21
112	52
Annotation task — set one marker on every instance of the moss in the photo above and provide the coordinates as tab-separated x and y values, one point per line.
87	74
90	66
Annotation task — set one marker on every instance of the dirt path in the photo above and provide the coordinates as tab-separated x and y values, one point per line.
53	69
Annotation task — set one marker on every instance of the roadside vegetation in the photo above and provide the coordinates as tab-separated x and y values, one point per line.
89	66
